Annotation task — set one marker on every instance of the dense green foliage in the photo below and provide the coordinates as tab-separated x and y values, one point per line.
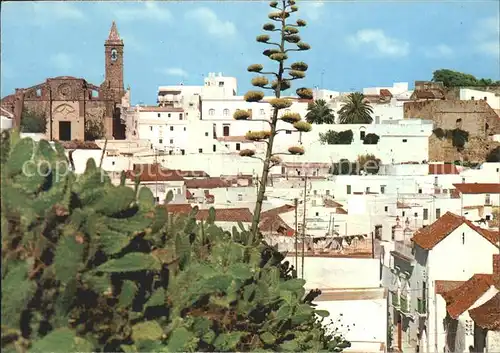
356	110
89	266
318	112
451	78
94	129
371	139
33	121
336	138
493	155
368	163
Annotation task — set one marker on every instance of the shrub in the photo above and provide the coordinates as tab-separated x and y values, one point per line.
33	121
336	138
89	266
280	103
285	84
439	133
493	155
260	81
255	68
368	163
257	135
299	66
371	139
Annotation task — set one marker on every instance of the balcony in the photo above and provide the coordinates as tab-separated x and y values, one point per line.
403	304
421	306
395	300
404	249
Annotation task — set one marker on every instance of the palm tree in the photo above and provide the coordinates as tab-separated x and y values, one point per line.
318	112
356	110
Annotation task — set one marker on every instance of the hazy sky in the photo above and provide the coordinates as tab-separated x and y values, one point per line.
354	44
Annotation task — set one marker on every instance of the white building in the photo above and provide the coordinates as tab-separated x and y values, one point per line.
7	119
441	252
492	98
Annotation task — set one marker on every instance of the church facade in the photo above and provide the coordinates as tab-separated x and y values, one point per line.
69	102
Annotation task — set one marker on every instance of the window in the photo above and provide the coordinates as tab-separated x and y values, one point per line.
171	141
386	208
348	189
327	192
487	217
183	152
225	130
262	112
382	189
426	214
171	128
404	213
150	128
180	116
463	238
225	112
159	115
238	146
435	181
200	150
362	135
184	128
169	115
170	152
315	192
463	180
206	133
288	132
160	141
487	199
472	98
405	140
367	190
113	163
313	202
438	213
317	214
221	84
240	197
214	148
415	215
211	112
420	190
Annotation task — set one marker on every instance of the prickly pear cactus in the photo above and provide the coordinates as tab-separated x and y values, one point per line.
89	266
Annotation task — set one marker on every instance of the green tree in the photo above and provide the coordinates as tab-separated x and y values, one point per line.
356	110
336	138
33	121
451	78
318	112
287	33
90	266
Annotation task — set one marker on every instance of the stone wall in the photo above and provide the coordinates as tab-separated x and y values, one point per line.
478	118
475	150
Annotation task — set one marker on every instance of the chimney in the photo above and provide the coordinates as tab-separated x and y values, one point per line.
496	264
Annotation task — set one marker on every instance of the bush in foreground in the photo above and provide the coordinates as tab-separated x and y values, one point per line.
88	266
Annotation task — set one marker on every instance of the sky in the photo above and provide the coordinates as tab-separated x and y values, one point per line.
354	44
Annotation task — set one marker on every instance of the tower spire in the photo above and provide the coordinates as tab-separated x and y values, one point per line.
113	33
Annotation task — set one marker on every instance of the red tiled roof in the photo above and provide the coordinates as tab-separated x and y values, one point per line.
340	210
331	203
430	236
277	211
463	297
445	286
488	315
153	172
183	208
478	188
207	183
227	215
384	92
439	169
274	223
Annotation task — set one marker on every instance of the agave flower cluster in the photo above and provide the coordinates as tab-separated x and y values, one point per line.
277	79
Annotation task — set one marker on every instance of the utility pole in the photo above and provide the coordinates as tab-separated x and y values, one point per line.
304	225
156	175
296	203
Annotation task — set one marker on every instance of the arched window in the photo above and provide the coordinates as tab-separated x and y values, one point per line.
211	112
362	133
226	112
262	112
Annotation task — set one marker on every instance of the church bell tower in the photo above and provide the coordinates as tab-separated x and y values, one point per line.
113	80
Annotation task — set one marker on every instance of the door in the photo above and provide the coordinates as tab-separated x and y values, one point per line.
65	131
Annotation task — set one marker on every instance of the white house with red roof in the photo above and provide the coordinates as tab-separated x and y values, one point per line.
450	249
